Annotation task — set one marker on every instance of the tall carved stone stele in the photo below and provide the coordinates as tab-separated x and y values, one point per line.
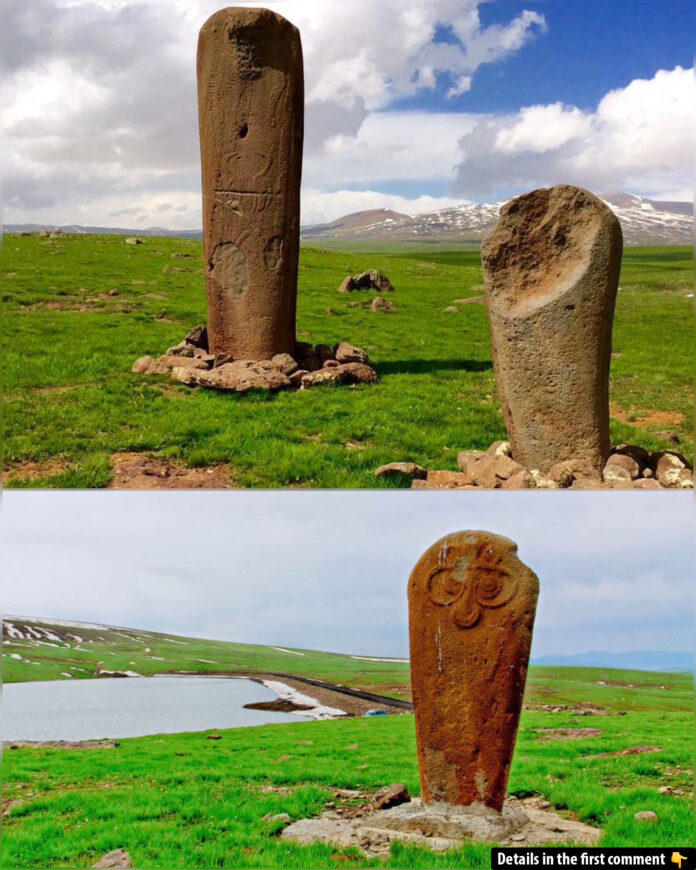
251	115
471	613
551	267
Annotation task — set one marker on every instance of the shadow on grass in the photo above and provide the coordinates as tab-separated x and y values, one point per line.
428	366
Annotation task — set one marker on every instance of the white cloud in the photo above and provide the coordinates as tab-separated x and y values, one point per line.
639	138
328	570
99	97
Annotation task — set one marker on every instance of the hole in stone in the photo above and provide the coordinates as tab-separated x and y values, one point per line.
243	130
570	308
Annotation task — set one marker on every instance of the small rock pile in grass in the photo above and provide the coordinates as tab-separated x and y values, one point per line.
190	363
628	467
369	280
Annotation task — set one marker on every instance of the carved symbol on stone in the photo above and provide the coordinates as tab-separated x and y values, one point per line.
229	269
273	252
470	583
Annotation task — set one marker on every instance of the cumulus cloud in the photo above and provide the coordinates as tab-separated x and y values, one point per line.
99	97
639	137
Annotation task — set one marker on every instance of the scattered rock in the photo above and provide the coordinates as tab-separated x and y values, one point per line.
645	816
443	480
320	378
241	376
621	466
116	858
308	831
391	796
619	753
379	303
521	480
348	353
672	470
277	817
402	471
492	469
198	337
451	309
213	737
370	280
134	240
464	457
357	373
568	733
284	363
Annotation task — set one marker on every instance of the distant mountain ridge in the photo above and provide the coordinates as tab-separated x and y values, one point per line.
664	661
644	222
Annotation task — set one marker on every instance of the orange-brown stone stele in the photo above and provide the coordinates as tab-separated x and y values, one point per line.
251	118
471	614
551	269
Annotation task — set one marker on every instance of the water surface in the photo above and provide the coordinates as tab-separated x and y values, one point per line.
93	709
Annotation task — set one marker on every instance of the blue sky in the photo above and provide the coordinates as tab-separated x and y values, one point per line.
328	570
414	105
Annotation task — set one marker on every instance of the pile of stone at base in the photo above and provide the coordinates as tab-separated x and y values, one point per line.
391	815
628	467
312	365
369	280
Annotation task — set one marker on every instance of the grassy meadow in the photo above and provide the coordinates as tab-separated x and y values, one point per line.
80	309
184	801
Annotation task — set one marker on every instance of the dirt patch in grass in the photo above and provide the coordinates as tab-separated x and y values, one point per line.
632	750
63	744
568	733
470	299
646	416
34	470
142	471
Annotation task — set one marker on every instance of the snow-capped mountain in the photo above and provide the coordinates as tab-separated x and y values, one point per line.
644	222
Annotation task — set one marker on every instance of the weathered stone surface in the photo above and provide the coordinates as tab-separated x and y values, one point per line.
471	613
402	470
357	373
672	470
491	470
284	363
308	831
116	858
465	457
520	480
251	109
321	378
551	268
347	353
445	480
391	796
164	364
379	303
620	466
198	337
240	376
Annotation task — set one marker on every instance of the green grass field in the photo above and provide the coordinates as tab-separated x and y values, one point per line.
71	401
184	801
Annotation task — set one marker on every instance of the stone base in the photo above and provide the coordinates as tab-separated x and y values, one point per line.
190	363
442	827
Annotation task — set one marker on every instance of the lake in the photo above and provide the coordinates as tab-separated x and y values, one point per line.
131	707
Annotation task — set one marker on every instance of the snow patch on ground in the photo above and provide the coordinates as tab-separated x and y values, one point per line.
316	711
282	649
372	659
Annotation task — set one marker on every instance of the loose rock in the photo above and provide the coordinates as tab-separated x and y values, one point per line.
402	471
391	796
347	353
116	858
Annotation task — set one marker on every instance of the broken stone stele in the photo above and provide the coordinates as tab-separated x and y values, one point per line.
251	116
551	267
471	613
